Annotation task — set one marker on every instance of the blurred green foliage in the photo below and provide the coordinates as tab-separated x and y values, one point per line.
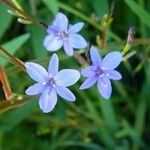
91	123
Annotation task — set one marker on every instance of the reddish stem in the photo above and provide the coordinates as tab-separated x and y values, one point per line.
5	83
12	58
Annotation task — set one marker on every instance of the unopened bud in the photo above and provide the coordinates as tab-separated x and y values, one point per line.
24	21
87	54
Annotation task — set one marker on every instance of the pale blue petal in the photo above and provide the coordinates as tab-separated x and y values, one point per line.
68	48
53	43
36	89
88	71
61	22
113	74
76	27
48	100
88	82
104	87
53	30
67	77
111	60
77	41
95	56
36	72
53	65
65	93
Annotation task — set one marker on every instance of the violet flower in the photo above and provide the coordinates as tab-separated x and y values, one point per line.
59	35
101	71
51	83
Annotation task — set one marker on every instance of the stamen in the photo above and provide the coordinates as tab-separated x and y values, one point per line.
99	72
52	82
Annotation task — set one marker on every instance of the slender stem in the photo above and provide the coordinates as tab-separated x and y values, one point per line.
104	35
80	59
14	59
8	3
5	83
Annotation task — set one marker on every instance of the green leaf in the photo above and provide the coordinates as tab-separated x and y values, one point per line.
108	114
37	38
5	20
100	11
12	118
52	5
139	11
12	46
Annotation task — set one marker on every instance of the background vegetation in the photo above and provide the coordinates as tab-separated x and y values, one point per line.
91	123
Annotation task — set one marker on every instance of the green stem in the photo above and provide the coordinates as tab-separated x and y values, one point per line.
11	5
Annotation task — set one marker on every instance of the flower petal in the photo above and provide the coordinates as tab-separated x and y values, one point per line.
88	71
95	56
88	82
111	60
53	65
104	87
53	43
61	22
36	72
68	48
48	100
65	93
67	77
76	27
36	89
113	74
77	41
53	30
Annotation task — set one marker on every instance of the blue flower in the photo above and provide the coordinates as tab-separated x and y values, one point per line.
51	83
101	71
59	35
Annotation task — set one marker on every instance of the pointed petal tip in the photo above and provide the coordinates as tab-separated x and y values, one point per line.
45	111
104	87
106	97
52	43
76	27
48	100
95	56
77	41
112	60
72	77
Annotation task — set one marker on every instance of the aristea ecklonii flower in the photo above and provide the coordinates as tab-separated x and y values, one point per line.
59	35
51	83
101	71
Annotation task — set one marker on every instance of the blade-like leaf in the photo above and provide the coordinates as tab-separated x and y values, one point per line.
12	47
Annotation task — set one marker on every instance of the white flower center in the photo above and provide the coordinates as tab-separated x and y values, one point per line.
63	34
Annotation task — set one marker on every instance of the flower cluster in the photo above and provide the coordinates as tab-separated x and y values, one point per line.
53	82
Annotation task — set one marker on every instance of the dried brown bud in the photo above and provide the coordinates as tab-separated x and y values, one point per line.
131	34
112	8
